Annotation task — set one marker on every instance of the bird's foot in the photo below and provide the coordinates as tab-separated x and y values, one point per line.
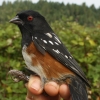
17	75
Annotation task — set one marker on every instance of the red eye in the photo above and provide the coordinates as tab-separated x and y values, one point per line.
29	18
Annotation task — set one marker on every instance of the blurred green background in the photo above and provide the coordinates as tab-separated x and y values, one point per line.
78	26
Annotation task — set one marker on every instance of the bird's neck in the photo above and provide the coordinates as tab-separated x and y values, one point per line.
42	28
26	36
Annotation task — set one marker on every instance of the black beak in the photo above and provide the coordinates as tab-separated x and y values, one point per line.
16	20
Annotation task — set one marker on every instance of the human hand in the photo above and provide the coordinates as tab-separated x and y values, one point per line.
51	90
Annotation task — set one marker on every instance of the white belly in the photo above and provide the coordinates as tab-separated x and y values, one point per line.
28	60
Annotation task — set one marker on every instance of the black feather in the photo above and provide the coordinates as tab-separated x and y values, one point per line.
77	89
39	47
67	62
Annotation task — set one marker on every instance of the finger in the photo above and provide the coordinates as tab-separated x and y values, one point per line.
29	96
42	96
64	92
51	88
34	85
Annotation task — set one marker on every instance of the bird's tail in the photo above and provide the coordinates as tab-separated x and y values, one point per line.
77	89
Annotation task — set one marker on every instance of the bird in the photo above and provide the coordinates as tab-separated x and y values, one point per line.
46	56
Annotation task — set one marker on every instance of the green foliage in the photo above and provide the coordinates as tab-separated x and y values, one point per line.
10	58
83	14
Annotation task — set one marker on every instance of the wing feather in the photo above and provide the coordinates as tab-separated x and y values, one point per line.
58	51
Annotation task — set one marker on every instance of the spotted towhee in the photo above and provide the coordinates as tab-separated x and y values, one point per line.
46	56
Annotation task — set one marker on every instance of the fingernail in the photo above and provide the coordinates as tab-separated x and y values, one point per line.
52	84
35	86
51	88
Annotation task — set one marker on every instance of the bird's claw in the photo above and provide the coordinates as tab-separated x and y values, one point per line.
17	76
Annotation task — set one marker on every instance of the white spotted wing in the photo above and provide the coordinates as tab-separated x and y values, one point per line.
49	42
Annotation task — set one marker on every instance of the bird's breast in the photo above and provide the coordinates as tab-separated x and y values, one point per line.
31	61
27	57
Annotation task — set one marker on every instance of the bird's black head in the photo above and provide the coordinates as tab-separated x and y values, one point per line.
31	22
26	17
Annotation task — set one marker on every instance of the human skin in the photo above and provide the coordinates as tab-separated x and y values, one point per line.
51	90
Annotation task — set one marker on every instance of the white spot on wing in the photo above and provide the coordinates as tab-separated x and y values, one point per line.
56	43
35	37
66	56
57	51
51	42
45	41
57	40
49	35
74	68
70	57
43	47
32	38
